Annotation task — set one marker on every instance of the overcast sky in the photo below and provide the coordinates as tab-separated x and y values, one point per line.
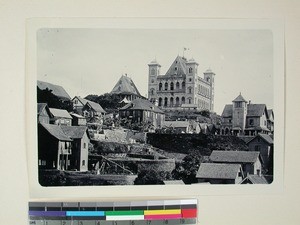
90	61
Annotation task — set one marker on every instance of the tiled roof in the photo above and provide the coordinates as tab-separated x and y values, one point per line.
61	113
141	104
256	109
74	132
40	107
180	64
227	111
239	98
218	171
57	90
234	156
125	85
55	131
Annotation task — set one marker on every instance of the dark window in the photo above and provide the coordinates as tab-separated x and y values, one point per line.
152	71
172	86
171	101
160	86
251	122
257	148
177	85
183	100
159	101
166	86
83	162
166	101
190	70
183	85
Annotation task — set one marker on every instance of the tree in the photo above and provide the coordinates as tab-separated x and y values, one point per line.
187	169
46	96
110	102
151	177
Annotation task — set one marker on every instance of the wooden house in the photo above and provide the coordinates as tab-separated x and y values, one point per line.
80	144
262	143
254	179
180	126
57	90
142	110
220	173
250	161
54	147
43	113
60	117
78	120
92	109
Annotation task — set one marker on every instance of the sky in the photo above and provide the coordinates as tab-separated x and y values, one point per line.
91	61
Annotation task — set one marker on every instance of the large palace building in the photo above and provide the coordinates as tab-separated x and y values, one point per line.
181	87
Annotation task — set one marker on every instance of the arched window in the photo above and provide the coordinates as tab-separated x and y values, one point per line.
190	101
171	101
172	86
160	102
177	85
183	85
183	100
152	71
166	102
166	86
177	101
190	90
190	70
152	91
160	86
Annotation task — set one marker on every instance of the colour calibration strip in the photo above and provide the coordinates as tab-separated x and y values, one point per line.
161	212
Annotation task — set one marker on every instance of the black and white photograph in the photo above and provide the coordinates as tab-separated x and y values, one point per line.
155	106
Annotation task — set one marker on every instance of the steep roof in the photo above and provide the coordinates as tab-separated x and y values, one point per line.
125	85
218	171
267	138
271	114
256	110
239	98
57	90
60	113
55	131
180	64
74	132
234	156
141	104
253	110
227	111
96	106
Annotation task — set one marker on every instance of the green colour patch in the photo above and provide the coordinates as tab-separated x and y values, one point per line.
124	213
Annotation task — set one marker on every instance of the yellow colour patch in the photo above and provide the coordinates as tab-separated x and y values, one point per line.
162	212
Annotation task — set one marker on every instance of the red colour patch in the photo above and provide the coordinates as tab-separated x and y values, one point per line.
189	213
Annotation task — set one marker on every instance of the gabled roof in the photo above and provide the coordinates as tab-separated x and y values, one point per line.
256	110
255	179
239	98
267	138
253	110
41	107
57	90
271	114
74	132
97	107
61	113
218	171
125	85
141	104
55	131
180	64
234	156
